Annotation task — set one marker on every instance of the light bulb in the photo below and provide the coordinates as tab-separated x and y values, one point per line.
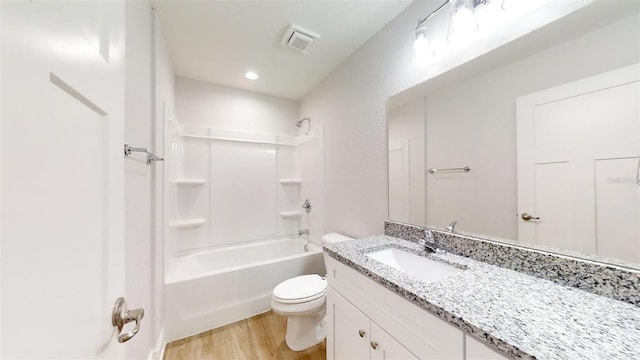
251	75
422	46
463	22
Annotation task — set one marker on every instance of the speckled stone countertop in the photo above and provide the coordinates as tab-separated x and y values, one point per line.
519	315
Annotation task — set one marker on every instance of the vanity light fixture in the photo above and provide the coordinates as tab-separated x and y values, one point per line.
422	49
462	21
422	46
251	75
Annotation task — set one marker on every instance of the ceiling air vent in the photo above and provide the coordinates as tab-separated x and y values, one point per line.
298	38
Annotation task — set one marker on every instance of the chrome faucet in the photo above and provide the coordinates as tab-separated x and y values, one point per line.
303	232
452	226
428	241
307	206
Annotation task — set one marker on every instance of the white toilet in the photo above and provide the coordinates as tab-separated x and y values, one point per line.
302	299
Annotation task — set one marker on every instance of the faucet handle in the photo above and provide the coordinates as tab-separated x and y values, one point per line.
428	237
452	226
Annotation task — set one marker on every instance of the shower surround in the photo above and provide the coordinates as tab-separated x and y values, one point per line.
234	214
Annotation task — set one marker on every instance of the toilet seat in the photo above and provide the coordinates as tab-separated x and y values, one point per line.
300	289
302	300
298	309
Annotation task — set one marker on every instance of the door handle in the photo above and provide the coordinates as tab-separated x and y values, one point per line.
528	217
122	316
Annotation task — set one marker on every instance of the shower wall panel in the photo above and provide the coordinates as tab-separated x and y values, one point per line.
243	185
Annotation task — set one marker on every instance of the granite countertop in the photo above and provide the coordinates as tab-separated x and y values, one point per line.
519	315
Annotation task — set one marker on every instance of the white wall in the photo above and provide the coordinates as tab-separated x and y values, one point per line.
138	176
350	104
223	107
473	123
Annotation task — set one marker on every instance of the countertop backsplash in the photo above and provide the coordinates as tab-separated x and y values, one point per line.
603	279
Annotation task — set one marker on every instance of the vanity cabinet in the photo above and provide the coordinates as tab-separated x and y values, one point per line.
385	347
355	336
475	350
367	321
351	332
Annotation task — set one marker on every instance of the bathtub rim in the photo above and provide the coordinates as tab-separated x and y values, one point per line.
170	277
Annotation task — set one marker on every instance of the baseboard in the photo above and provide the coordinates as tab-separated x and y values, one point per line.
157	353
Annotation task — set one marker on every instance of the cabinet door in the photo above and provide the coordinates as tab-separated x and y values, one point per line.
349	329
384	347
475	350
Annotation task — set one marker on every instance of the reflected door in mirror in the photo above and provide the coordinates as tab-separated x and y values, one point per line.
399	184
578	152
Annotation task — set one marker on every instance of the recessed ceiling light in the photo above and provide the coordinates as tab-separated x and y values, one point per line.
251	75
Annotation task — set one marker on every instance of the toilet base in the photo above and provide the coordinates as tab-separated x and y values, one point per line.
306	331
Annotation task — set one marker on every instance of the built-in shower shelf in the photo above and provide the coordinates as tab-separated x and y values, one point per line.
290	214
290	181
186	224
189	182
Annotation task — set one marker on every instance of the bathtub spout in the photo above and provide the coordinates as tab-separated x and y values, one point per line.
303	232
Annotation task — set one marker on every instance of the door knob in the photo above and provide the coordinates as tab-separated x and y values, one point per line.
121	316
528	217
361	333
374	345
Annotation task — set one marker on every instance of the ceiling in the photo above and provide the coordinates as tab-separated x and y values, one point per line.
219	41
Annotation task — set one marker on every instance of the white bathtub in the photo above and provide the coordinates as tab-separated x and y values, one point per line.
216	287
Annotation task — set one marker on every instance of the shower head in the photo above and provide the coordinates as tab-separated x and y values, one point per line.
299	123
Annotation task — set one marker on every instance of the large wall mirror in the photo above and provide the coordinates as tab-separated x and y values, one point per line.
536	142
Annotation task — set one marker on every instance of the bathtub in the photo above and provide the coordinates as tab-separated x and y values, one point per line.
216	287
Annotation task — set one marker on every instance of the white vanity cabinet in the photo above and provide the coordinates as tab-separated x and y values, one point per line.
349	327
367	321
355	336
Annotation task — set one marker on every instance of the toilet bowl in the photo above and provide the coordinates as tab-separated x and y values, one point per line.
302	300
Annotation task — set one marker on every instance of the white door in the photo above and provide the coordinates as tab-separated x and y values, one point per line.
578	159
62	178
399	181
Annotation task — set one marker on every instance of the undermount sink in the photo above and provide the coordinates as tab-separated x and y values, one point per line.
421	267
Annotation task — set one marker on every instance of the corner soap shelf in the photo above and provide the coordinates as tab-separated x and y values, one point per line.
290	214
290	181
188	182
186	224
